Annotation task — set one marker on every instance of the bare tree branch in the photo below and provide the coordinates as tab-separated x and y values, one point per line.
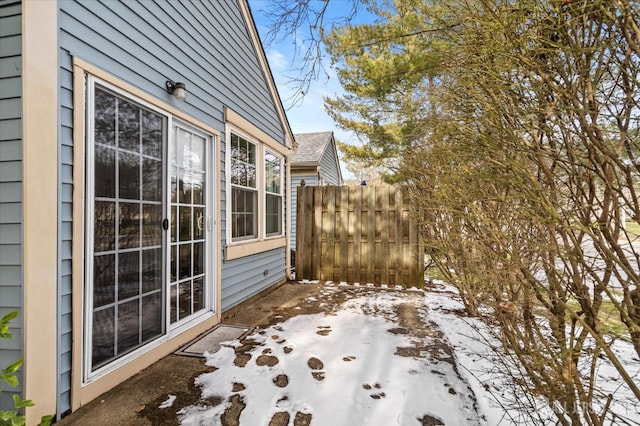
306	22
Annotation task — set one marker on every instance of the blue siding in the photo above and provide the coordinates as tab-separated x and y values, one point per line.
329	166
11	236
204	44
244	277
147	42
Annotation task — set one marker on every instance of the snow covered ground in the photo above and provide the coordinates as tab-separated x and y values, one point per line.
381	358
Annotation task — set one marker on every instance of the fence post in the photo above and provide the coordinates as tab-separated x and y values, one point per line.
300	237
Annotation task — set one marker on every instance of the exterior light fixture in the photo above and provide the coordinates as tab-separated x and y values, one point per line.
176	89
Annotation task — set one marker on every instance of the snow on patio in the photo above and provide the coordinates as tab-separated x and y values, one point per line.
383	357
377	360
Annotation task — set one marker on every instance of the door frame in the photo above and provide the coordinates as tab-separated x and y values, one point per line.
86	77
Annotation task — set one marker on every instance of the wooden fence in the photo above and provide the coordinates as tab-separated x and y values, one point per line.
357	234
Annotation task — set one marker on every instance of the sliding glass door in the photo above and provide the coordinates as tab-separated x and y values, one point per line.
148	230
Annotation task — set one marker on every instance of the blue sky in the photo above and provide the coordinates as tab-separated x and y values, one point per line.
308	115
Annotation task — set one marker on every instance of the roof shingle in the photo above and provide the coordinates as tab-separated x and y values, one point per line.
311	146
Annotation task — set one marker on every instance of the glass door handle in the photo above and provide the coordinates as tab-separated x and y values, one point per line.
165	224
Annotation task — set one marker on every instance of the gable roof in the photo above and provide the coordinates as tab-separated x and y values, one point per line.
311	146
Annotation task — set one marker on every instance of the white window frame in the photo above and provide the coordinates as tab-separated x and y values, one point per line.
281	194
258	181
235	249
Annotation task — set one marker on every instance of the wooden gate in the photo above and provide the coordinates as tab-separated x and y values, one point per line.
357	234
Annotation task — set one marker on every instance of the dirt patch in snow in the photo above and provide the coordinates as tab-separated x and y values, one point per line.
167	416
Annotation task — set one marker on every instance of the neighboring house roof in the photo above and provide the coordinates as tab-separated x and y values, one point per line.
312	147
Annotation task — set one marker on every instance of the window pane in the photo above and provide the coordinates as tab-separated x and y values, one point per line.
272	173
105	172
198	294
251	213
184	186
243	178
242	151
243	162
128	275
103	334
174	224
239	201
151	270
185	223
152	134
151	180
198	223
184	149
235	144
198	258
184	299
151	316
105	118
174	263
251	177
248	225
151	225
128	126
128	325
198	188
236	172
104	280
129	225
251	154
104	226
240	226
185	261
174	302
174	185
129	176
274	215
197	153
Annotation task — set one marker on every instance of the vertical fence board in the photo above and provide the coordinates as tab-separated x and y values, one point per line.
330	229
317	231
384	235
300	236
344	232
307	219
399	239
371	235
361	234
355	193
